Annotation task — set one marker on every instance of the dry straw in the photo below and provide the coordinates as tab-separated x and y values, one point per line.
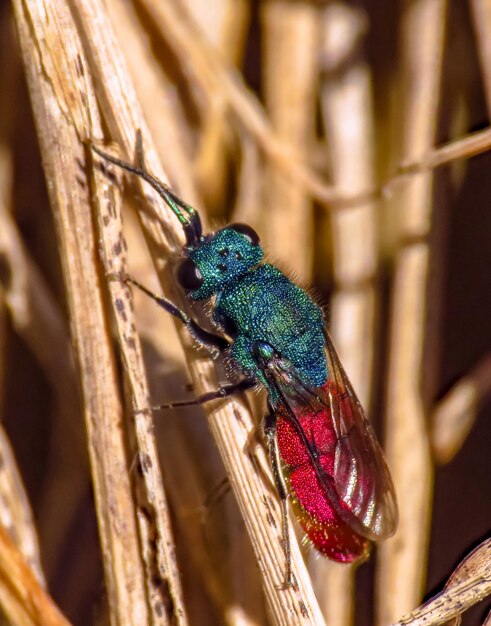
334	184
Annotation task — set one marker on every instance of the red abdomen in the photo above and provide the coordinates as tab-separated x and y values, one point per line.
315	509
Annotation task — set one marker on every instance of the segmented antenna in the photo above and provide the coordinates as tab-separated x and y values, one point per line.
188	217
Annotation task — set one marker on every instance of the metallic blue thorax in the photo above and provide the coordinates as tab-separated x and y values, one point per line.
259	306
265	306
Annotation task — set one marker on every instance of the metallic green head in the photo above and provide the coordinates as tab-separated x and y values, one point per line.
218	259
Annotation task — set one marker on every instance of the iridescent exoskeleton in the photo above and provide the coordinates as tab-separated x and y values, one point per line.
323	452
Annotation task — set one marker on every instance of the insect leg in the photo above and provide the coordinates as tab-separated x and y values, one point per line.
214	343
221	392
270	432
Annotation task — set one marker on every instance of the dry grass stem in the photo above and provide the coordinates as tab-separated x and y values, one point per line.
224	25
16	515
158	552
66	113
230	425
469	146
157	96
481	13
247	208
224	87
453	416
35	314
466	147
22	598
291	33
346	103
187	484
469	584
38	320
401	572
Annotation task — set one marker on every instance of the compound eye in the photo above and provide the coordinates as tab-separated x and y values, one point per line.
188	275
247	231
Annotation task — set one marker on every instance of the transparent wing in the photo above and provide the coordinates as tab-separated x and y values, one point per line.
355	477
360	473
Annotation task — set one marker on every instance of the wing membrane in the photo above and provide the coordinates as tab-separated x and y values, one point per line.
360	474
355	476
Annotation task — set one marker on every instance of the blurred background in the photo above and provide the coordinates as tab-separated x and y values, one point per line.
316	123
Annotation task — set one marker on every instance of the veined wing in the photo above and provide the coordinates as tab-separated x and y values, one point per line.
360	471
339	443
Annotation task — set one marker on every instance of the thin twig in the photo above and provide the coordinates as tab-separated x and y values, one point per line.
453	416
469	584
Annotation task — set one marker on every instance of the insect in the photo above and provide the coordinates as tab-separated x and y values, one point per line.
324	454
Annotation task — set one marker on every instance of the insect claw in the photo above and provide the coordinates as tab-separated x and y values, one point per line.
288	582
117	277
147	409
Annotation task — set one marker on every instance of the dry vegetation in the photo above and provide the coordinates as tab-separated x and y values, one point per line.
347	134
